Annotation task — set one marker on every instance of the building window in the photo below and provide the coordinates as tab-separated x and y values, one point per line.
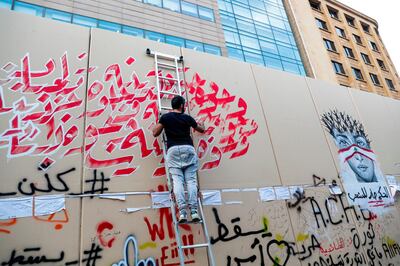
357	73
381	64
349	52
340	32
154	2
366	59
315	5
330	45
374	46
206	13
333	13
357	39
189	9
374	79
338	67
350	21
28	8
321	24
390	84
172	5
365	27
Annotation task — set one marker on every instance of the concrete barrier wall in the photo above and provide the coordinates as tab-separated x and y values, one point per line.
76	109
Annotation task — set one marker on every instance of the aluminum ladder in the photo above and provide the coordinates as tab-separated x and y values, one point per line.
164	61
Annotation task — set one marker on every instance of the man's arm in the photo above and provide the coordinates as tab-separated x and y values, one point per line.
157	129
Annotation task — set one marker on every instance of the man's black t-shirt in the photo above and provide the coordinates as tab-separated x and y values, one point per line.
177	128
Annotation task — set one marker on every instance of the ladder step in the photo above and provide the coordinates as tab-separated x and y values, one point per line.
164	65
169	93
173	79
195	246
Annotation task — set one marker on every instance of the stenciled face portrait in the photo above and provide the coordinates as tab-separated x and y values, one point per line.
353	144
357	149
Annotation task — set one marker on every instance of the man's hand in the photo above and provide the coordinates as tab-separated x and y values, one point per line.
200	127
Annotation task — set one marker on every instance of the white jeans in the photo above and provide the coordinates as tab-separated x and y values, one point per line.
182	163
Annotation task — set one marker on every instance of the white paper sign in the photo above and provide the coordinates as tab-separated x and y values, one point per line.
282	193
130	210
335	190
49	204
267	193
295	189
16	207
211	197
160	200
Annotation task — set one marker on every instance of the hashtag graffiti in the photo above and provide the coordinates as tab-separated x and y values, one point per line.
97	184
92	255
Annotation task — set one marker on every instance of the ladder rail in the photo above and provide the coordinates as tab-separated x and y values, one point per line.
177	79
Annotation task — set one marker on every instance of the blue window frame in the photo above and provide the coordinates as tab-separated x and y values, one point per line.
5	4
197	46
84	21
212	49
175	41
206	13
189	9
173	5
154	2
133	31
154	36
109	26
58	15
28	9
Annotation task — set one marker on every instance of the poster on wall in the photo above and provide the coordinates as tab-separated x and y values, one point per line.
362	177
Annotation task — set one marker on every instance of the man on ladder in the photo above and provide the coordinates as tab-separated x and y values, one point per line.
182	160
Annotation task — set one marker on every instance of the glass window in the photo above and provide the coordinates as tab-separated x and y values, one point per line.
175	41
390	84
153	2
273	63
350	21
212	49
232	37
357	39
109	26
257	4
321	24
269	47
357	73
366	58
281	36
381	64
250	42
28	9
172	5
58	15
330	45
133	31
263	31
286	51
245	26
277	23
235	53
5	4
253	58
206	13
241	11
365	27
225	6
273	10
260	17
189	9
228	21
338	67
333	13
197	46
154	36
84	21
348	51
340	32
374	46
290	67
375	79
315	5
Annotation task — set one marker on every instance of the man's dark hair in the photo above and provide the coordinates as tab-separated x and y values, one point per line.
342	122
177	102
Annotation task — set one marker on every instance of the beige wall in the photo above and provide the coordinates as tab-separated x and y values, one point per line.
266	132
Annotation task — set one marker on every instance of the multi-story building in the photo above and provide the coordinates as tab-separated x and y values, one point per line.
329	41
342	45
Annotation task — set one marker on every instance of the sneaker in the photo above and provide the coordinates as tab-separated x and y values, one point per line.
195	216
182	218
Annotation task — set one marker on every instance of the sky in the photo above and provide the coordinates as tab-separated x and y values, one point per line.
386	12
